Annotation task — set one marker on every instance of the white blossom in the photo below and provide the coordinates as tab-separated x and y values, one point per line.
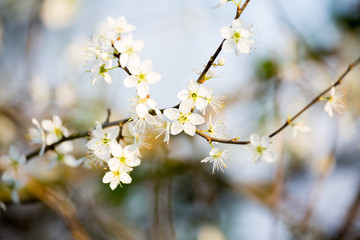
142	76
162	127
98	48
183	120
237	36
128	49
299	127
101	139
54	130
120	25
63	155
216	129
194	96
336	102
37	135
118	174
215	101
123	156
101	71
13	174
259	148
217	157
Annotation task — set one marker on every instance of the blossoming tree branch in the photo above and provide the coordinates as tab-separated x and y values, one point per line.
116	145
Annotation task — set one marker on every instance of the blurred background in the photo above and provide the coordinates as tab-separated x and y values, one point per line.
311	192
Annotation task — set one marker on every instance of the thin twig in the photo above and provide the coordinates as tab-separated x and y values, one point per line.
201	79
288	122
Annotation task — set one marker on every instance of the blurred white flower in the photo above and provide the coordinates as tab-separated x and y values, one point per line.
13	174
65	95
142	76
336	102
237	36
183	120
54	130
128	49
221	61
37	135
120	25
63	155
57	14
217	157
259	148
299	127
222	2
100	141
39	90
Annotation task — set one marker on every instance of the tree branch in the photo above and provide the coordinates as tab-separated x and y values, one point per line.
288	122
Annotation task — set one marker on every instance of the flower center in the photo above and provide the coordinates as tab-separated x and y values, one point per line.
102	69
141	77
236	36
122	159
260	149
58	132
130	51
183	118
194	96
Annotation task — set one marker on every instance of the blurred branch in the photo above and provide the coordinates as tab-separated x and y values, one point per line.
350	217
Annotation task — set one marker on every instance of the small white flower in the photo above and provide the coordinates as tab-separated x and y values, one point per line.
98	48
162	127
54	130
216	129
215	101
13	174
221	61
217	157
120	25
142	76
101	139
37	135
194	96
117	175
63	155
128	49
140	140
237	36
259	148
299	127
101	71
123	156
336	102
183	120
209	74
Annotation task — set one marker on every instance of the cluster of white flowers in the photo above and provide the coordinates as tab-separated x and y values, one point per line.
50	132
102	49
11	166
118	156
